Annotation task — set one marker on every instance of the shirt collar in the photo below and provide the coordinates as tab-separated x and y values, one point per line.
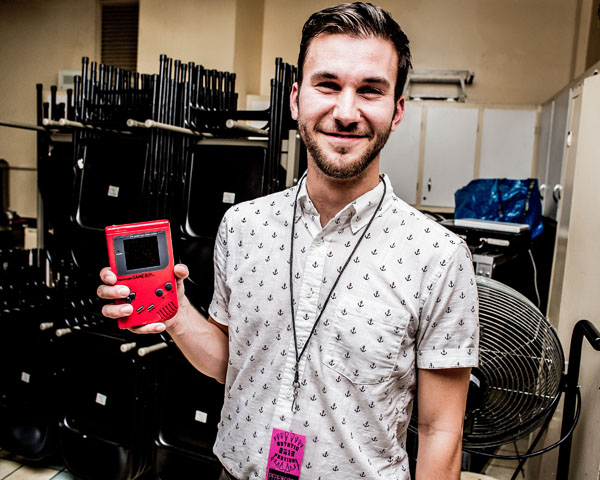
359	211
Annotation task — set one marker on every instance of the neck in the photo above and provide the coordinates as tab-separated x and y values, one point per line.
330	195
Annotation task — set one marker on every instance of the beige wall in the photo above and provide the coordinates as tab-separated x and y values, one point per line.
582	37
248	48
37	39
519	50
593	49
224	35
200	31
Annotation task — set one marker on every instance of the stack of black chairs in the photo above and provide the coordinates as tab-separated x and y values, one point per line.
30	376
125	148
72	387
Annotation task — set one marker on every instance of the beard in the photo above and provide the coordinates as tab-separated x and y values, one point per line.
340	169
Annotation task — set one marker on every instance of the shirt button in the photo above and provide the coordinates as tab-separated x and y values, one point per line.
289	393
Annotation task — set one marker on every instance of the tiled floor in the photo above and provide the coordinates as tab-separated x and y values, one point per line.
504	469
11	468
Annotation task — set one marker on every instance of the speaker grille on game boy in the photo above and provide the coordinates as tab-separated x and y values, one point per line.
167	311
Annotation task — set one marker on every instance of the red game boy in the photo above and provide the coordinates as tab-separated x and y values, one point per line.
141	256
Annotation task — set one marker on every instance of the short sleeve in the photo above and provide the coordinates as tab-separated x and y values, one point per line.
448	335
219	306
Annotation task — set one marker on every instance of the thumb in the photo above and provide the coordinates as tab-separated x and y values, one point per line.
181	273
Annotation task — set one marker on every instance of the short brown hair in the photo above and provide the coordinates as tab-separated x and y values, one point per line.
360	20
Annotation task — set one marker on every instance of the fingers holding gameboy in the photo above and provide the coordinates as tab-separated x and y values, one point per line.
141	257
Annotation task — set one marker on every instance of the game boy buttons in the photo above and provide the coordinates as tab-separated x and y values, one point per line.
140	309
159	292
168	286
131	297
150	307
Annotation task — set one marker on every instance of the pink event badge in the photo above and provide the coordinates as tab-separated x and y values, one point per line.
285	455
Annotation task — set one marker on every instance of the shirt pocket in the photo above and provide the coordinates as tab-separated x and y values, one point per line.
364	350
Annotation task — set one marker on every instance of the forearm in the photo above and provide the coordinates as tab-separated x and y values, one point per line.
204	344
442	395
439	455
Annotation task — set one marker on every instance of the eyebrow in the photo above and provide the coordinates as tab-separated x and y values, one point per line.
369	80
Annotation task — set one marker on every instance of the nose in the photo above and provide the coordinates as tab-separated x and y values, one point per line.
346	110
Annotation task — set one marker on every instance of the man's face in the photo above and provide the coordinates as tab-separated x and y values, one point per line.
345	108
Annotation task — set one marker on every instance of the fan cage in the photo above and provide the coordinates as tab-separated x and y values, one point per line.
521	362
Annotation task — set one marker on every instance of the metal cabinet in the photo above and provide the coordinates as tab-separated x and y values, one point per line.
507	143
449	153
552	151
546	115
439	148
400	156
576	266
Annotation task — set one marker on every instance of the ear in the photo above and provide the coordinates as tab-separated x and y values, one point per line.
398	114
294	100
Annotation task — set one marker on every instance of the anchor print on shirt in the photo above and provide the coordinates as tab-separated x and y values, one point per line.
259	312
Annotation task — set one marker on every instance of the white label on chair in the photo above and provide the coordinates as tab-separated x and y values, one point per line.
25	377
229	197
113	191
100	399
201	416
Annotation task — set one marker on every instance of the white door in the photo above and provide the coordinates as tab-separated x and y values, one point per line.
507	143
558	145
543	156
400	156
449	157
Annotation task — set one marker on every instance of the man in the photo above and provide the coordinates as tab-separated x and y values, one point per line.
335	302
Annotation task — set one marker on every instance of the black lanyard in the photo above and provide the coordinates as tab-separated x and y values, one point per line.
296	383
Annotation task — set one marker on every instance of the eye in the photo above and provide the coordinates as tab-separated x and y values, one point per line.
369	91
328	86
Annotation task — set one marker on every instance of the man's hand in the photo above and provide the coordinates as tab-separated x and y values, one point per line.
203	341
111	291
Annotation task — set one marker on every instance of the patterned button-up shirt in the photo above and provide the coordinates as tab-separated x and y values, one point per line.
407	299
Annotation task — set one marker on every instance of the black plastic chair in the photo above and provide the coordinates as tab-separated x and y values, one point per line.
107	428
188	411
31	378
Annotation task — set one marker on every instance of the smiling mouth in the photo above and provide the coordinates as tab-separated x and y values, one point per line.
341	135
344	136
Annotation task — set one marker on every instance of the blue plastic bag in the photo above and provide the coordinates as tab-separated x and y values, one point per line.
501	199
